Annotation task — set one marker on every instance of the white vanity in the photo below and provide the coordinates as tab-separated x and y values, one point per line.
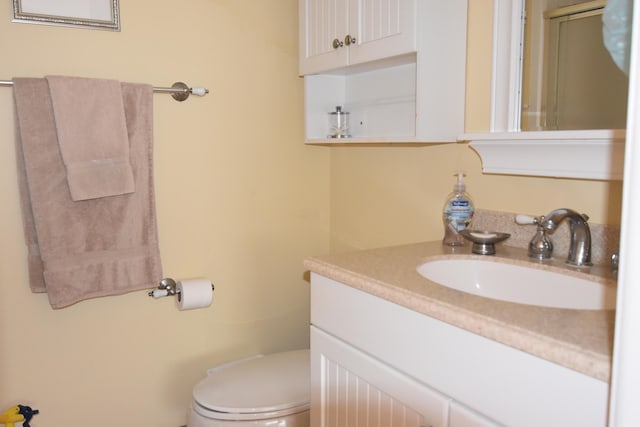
389	345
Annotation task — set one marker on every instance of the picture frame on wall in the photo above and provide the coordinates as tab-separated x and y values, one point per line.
90	14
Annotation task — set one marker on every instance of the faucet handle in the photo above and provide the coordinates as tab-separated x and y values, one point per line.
540	246
525	219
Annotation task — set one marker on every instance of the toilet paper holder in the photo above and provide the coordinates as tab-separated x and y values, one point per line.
168	287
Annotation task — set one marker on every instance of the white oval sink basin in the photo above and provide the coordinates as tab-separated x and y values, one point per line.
524	285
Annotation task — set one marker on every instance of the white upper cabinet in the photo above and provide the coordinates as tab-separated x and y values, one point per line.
338	33
397	67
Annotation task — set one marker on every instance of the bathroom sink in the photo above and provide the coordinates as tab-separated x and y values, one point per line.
519	284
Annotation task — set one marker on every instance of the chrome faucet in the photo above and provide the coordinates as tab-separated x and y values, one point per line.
580	244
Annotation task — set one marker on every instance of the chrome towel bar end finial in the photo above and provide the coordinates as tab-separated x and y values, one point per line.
180	91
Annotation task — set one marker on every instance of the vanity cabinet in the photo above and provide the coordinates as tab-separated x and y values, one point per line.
371	357
353	389
335	34
397	68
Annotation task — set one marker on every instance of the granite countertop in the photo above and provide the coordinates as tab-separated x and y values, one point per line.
581	340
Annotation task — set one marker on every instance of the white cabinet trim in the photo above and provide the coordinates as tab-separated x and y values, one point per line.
589	154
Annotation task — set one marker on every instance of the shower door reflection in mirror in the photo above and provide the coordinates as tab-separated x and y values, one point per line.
569	80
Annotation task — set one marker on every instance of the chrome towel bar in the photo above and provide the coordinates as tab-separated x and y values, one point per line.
179	90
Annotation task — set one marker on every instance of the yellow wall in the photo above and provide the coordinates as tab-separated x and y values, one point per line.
391	195
240	199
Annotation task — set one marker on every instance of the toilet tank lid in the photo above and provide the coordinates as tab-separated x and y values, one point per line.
263	384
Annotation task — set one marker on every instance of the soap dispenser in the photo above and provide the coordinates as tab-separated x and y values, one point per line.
457	213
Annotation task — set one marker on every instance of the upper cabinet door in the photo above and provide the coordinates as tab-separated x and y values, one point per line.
381	29
323	27
338	33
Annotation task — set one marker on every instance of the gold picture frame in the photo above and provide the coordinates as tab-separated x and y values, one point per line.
91	14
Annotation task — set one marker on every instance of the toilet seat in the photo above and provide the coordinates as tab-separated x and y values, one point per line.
258	388
215	415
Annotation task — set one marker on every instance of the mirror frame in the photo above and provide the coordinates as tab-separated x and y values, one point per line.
508	39
586	154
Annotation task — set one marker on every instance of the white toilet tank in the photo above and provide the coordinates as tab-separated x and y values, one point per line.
270	390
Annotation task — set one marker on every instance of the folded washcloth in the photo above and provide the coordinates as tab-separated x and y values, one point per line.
92	134
92	248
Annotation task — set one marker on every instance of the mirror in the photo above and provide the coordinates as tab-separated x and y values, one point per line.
551	69
594	152
569	80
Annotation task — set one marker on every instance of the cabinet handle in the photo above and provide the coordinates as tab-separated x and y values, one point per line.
348	40
337	44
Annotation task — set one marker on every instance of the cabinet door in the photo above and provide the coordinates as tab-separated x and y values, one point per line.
351	389
321	22
381	28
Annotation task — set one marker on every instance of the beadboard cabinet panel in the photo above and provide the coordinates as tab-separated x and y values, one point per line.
338	33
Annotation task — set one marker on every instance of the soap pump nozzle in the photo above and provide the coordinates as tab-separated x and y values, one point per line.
459	186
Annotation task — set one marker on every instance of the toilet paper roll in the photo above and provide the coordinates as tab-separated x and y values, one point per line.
194	293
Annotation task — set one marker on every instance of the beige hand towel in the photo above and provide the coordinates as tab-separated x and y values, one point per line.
79	250
92	134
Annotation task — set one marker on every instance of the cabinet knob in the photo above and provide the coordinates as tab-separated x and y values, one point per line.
348	40
337	44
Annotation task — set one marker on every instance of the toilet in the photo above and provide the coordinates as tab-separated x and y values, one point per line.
270	390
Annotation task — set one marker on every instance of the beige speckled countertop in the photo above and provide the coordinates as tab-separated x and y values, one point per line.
577	339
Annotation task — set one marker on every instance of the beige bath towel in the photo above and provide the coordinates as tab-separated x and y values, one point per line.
92	134
91	248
